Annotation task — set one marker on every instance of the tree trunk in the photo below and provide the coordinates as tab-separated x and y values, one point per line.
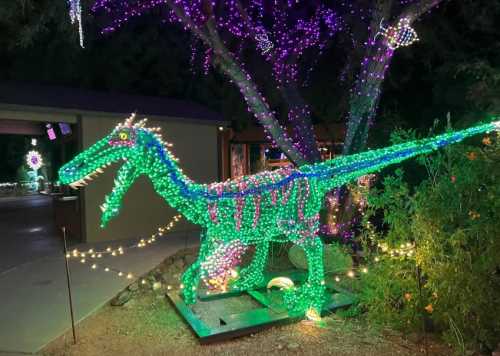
366	96
299	117
368	87
262	112
255	100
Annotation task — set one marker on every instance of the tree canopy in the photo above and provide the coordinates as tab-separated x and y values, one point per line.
453	68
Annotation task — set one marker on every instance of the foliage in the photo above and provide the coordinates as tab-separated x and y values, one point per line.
452	279
335	258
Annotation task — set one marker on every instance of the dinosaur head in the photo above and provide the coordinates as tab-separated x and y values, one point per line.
126	144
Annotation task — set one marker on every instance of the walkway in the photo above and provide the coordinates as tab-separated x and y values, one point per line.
27	230
34	304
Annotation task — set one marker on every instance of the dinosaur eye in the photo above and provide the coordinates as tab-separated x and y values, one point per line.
123	136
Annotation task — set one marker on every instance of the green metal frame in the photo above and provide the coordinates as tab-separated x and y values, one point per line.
254	320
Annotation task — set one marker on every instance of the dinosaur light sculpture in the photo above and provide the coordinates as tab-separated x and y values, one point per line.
280	206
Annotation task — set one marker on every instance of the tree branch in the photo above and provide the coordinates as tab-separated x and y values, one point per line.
254	99
417	10
188	22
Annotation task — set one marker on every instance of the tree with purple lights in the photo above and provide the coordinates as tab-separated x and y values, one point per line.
282	41
289	36
281	33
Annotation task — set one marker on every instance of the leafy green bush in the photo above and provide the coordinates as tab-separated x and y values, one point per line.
335	258
451	279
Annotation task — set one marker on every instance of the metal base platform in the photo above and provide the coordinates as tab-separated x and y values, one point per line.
268	312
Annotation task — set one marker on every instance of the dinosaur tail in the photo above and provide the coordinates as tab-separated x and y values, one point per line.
340	170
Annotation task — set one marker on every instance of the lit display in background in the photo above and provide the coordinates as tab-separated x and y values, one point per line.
51	132
34	160
65	128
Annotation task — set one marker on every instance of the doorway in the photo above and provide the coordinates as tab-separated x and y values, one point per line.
31	153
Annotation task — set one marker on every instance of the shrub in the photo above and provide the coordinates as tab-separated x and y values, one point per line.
453	276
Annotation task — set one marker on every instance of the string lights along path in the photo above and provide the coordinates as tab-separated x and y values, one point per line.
91	255
281	206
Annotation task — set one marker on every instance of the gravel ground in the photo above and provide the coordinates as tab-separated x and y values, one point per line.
148	325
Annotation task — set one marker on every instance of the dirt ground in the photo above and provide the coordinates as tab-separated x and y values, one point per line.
148	325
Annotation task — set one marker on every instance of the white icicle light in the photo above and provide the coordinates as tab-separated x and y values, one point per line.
75	14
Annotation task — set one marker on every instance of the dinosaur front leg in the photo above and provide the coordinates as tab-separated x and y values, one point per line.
310	296
253	275
190	279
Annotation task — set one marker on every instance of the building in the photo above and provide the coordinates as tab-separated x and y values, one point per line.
74	119
248	152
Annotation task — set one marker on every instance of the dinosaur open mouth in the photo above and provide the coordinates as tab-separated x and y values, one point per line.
89	177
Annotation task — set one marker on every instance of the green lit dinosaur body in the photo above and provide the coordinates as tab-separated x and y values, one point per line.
282	205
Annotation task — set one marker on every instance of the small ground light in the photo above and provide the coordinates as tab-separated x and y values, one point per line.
221	128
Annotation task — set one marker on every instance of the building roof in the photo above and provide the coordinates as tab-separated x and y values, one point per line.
109	102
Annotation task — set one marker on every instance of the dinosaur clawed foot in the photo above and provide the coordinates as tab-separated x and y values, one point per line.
248	280
189	294
188	286
307	299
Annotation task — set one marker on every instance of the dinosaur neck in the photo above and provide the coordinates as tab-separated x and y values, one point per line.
171	183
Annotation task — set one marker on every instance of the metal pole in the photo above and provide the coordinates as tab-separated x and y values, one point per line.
68	279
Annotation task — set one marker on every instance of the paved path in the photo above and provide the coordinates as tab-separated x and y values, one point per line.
27	230
33	296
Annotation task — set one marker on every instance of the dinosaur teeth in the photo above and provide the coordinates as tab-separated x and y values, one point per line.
78	184
89	177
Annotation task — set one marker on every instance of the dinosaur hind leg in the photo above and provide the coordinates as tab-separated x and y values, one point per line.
191	277
253	275
311	295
